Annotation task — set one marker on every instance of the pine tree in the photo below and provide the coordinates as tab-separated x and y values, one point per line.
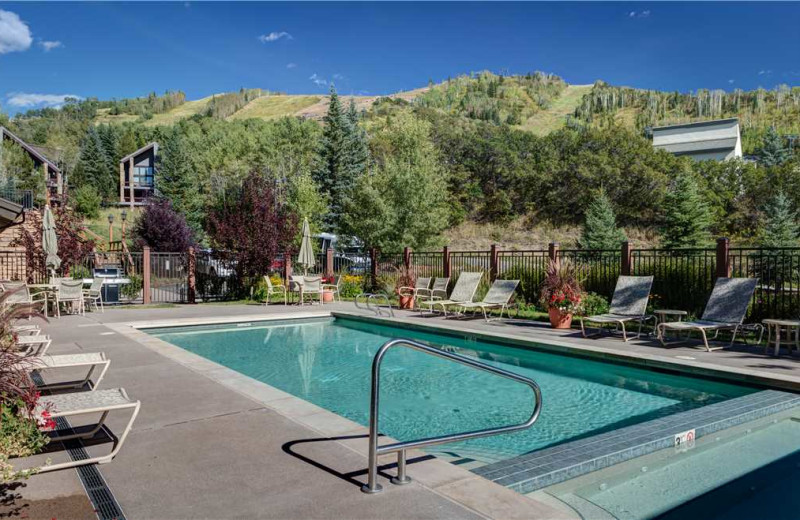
176	180
344	158
93	165
600	229
780	228
773	151
687	217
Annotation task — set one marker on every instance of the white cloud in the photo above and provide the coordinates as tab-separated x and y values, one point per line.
763	72
639	14
14	33
338	76
291	65
274	36
50	45
731	81
30	100
318	81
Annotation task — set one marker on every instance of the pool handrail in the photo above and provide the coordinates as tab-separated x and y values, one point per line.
372	485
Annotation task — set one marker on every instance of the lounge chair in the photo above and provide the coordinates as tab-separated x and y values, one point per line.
334	288
725	310
93	361
34	345
498	297
85	403
421	285
94	294
463	292
629	304
26	330
69	292
439	289
275	289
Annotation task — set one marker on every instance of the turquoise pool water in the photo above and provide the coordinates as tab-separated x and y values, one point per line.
327	362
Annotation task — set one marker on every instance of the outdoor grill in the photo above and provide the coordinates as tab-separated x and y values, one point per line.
112	279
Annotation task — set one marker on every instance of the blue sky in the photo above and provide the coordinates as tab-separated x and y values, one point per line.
107	50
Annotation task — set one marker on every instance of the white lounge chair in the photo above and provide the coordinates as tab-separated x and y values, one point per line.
421	286
498	297
34	345
725	310
93	361
85	403
629	304
463	292
439	289
275	289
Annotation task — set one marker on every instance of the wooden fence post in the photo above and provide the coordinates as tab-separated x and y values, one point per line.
191	289
329	263
287	267
373	267
146	275
493	263
446	267
723	260
552	252
626	268
407	257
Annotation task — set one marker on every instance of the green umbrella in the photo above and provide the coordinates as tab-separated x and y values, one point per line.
306	257
50	240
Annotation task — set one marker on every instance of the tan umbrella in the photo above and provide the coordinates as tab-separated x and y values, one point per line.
50	240
306	257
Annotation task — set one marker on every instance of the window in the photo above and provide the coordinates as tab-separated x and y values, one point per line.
143	175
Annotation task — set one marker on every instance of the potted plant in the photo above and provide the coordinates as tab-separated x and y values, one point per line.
561	293
404	286
327	294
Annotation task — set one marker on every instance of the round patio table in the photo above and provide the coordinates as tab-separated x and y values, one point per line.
782	326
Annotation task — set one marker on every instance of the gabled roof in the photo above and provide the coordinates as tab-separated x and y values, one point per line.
713	145
140	150
9	211
698	124
28	148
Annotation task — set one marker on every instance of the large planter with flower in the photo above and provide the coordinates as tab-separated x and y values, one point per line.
562	293
404	287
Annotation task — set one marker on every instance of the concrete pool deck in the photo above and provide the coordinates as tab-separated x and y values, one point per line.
212	443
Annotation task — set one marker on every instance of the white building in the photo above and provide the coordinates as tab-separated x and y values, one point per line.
708	140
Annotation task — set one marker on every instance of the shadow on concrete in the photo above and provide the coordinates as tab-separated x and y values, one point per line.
349	477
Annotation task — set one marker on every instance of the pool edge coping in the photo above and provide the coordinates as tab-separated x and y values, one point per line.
458	485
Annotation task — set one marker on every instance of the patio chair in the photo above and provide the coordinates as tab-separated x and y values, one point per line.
69	292
33	345
20	294
421	285
275	289
87	403
312	286
463	292
498	297
439	289
26	330
629	304
725	310
334	288
94	294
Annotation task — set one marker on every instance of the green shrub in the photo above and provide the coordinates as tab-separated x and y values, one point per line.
87	201
351	286
20	436
594	304
131	290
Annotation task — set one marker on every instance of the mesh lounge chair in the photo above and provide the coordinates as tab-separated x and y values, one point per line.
498	297
725	310
629	303
34	345
420	285
93	361
463	292
86	403
275	289
439	289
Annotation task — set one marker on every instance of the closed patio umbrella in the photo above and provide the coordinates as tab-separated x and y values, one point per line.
50	240
306	257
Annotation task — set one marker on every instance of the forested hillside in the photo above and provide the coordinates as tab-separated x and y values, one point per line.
482	152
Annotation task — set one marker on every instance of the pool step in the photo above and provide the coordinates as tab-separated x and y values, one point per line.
549	466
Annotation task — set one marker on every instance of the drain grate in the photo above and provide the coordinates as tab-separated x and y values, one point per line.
103	500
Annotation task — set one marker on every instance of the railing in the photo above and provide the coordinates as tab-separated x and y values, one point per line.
22	197
400	448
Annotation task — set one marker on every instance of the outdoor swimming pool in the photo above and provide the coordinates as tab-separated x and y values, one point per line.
327	362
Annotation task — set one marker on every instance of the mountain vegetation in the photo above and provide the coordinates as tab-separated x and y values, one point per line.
487	149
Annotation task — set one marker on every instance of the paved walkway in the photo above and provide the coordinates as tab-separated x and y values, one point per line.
202	449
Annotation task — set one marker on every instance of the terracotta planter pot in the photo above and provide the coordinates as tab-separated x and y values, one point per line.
327	296
406	302
559	320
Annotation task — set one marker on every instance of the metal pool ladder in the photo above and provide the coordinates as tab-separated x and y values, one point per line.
372	485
